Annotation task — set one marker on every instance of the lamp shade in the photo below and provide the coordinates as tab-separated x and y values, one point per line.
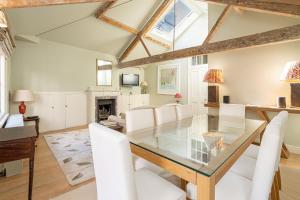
23	95
3	22
214	76
291	72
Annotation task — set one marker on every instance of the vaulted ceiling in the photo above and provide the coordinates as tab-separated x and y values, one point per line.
76	24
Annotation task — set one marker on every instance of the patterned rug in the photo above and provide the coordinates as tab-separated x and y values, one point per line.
73	152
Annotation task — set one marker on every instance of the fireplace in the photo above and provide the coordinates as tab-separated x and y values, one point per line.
105	106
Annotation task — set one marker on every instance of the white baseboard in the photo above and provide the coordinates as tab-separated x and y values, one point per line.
293	149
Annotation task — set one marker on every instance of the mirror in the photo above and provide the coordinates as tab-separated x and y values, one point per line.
104	73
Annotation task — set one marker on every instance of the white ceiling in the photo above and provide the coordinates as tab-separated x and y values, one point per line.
76	25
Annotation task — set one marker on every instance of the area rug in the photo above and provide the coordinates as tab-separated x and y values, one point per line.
73	152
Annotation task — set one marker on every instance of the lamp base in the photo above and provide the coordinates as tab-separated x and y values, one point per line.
295	94
22	108
213	94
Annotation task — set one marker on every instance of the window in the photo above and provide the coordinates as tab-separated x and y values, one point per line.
104	73
183	18
2	84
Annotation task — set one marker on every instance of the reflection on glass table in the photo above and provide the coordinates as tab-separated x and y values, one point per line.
202	143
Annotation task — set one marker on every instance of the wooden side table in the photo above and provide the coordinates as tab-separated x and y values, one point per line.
37	123
19	143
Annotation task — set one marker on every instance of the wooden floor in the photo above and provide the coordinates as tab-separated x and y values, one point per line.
49	181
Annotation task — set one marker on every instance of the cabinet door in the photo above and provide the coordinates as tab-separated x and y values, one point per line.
76	109
135	101
124	103
145	99
58	120
43	109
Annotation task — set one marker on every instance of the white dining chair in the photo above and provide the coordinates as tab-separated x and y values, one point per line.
165	114
235	187
115	177
245	165
184	111
252	150
137	120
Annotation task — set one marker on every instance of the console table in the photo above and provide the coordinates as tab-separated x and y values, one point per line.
261	111
19	143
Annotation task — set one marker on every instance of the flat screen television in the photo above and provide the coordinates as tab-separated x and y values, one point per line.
130	79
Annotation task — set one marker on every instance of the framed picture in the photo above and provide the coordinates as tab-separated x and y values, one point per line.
168	79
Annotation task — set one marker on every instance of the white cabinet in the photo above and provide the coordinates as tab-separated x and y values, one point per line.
76	110
60	110
128	102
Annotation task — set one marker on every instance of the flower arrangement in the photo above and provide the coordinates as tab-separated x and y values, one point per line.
144	86
178	97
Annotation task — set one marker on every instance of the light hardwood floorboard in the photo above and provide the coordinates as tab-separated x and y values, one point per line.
49	180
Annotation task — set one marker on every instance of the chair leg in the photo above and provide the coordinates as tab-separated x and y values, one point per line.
273	192
276	187
279	178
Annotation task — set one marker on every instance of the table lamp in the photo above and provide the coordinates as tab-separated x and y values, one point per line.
214	76
22	96
291	74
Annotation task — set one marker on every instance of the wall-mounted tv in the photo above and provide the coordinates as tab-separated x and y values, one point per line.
130	79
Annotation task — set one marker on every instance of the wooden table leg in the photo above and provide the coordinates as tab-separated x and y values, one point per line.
183	184
205	187
31	171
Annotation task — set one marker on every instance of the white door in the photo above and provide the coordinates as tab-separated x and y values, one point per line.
76	109
58	111
197	88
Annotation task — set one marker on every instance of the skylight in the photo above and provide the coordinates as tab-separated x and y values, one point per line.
183	18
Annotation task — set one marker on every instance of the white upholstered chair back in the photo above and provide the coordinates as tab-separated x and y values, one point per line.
112	164
184	111
139	119
165	114
281	119
265	165
232	110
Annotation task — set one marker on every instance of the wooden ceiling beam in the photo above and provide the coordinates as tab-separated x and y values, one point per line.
145	47
158	42
266	38
37	3
217	25
118	24
131	30
161	9
292	2
104	8
263	6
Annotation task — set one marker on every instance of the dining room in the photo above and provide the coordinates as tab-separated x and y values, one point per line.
149	100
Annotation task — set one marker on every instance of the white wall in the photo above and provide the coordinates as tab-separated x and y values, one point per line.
252	75
51	66
151	78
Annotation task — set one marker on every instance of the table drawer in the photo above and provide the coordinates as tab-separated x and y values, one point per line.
16	149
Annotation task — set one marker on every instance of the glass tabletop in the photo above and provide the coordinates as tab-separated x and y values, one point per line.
202	143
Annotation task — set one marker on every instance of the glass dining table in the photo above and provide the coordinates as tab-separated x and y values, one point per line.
199	150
